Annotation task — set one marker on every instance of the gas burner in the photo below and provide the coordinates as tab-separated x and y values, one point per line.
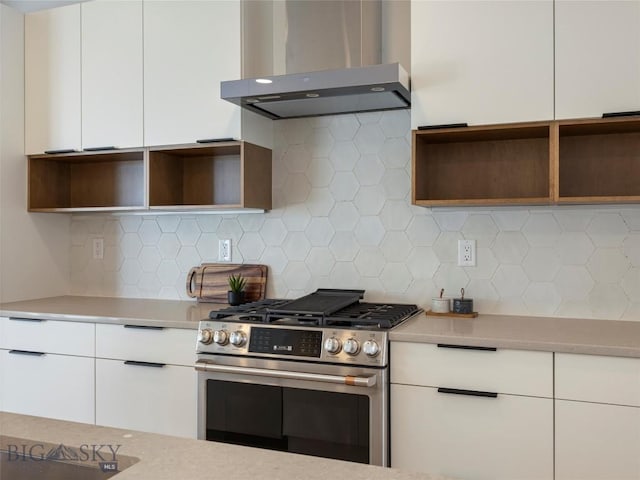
325	307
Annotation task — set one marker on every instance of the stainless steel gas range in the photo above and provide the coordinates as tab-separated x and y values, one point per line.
307	376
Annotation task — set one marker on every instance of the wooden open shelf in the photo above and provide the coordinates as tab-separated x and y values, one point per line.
571	161
223	176
599	161
212	176
491	165
96	181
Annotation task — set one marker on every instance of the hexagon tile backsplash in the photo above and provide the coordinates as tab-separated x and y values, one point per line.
342	218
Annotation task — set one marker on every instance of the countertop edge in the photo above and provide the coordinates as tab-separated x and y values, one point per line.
585	349
145	322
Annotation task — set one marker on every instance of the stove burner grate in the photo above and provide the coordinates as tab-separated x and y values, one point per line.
357	315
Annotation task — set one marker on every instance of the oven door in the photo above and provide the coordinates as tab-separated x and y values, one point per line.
329	411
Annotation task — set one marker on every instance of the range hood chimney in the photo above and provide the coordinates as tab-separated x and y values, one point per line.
325	60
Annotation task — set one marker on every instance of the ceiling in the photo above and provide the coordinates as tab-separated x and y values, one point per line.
27	6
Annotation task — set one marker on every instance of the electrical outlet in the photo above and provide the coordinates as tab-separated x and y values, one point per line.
224	250
466	253
98	248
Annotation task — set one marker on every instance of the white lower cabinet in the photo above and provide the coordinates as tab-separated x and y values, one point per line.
145	379
472	412
149	397
597	417
48	385
471	437
597	441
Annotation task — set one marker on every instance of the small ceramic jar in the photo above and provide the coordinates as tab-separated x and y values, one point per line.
462	305
440	305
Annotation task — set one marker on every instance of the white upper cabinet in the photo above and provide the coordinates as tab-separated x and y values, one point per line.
189	47
52	80
112	73
481	62
597	57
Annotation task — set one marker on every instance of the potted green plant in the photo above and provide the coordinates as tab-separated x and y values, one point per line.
235	295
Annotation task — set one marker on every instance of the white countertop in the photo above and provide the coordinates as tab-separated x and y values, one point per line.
133	311
596	337
568	335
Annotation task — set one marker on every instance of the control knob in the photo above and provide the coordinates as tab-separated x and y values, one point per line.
221	337
205	336
351	346
238	338
332	345
371	348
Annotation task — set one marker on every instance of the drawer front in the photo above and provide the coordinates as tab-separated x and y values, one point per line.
517	372
146	397
593	378
49	385
50	336
459	436
596	441
173	346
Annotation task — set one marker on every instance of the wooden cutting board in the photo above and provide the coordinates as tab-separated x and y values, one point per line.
209	281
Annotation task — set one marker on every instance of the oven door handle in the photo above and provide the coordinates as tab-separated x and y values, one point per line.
263	372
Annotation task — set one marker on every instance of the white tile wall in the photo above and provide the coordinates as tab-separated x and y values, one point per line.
342	218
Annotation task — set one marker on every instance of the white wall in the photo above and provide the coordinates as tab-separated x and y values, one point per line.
342	218
34	253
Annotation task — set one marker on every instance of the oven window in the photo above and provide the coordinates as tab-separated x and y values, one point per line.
311	422
326	424
246	414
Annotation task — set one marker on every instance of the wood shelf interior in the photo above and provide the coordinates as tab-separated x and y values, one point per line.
196	176
82	180
482	165
599	159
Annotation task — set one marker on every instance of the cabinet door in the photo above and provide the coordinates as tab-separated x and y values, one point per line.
189	48
595	441
52	80
112	73
597	57
508	437
47	385
481	62
157	399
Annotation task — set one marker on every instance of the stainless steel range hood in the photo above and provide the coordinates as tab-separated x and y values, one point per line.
329	53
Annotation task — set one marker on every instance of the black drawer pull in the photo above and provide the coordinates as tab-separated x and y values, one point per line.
467	347
215	140
20	319
620	114
446	125
144	364
27	352
471	393
62	150
99	149
145	327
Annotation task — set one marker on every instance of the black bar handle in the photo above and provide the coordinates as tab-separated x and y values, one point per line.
27	352
444	125
467	347
145	327
62	150
470	393
144	364
22	319
99	149
215	140
621	114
